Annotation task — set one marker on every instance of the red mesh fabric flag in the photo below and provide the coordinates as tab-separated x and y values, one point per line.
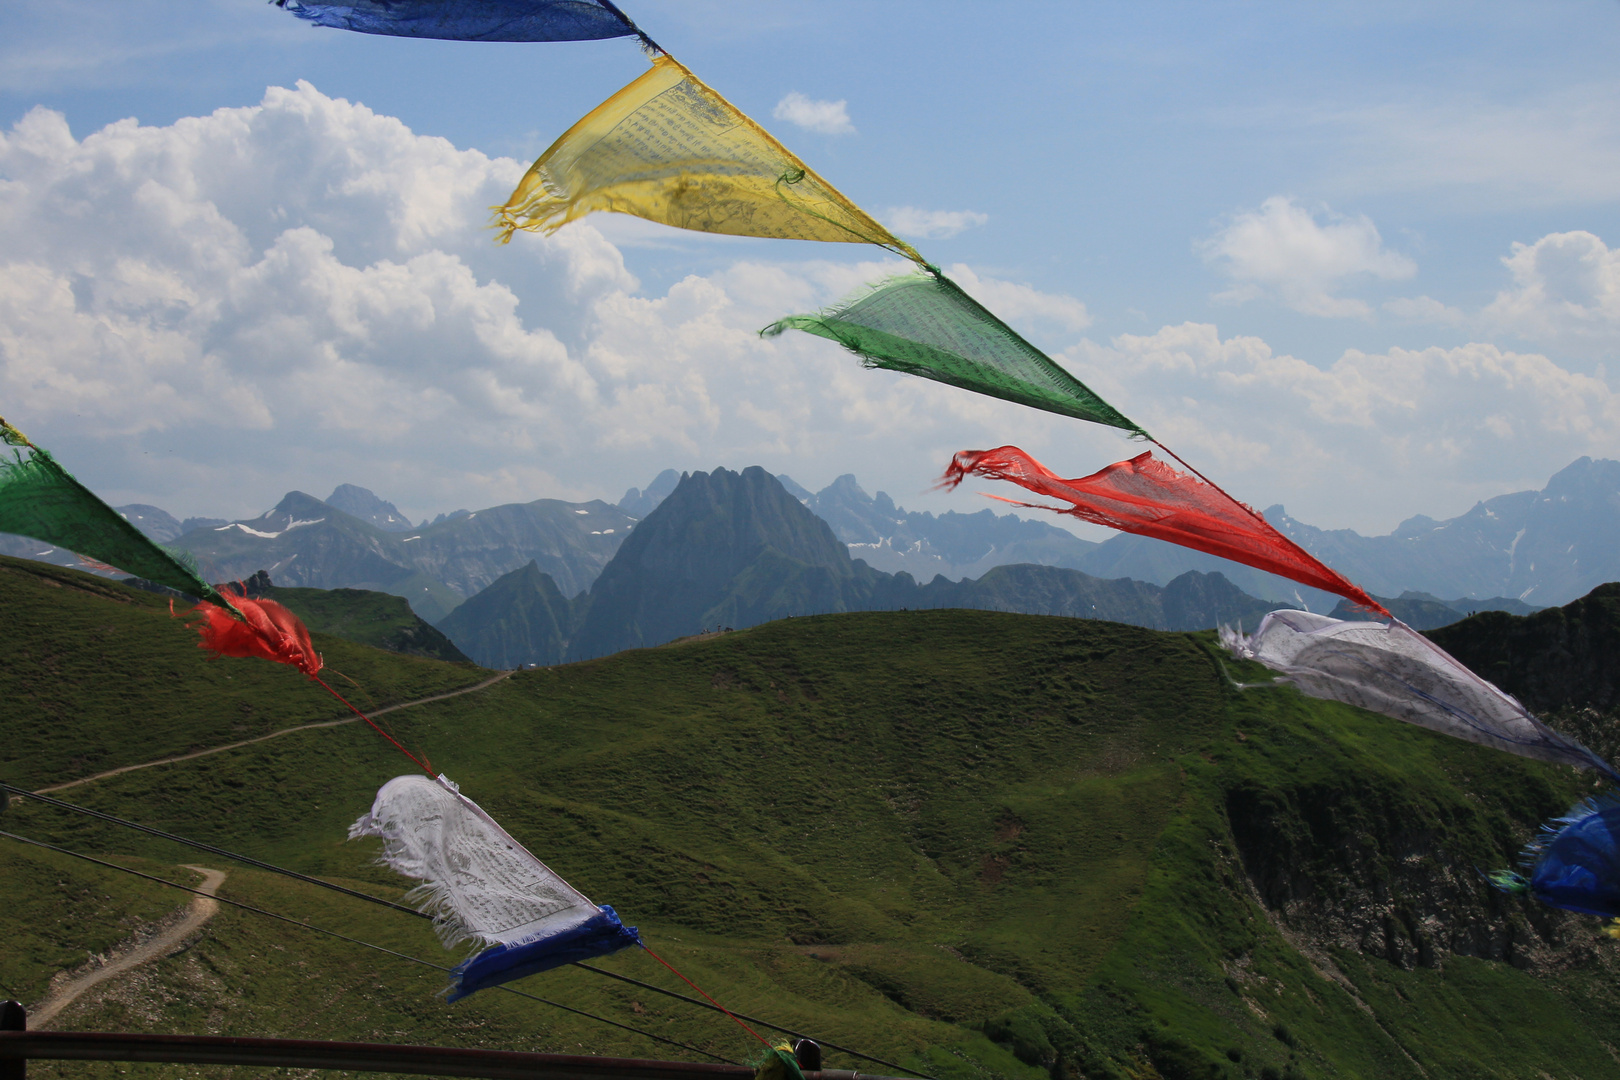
266	630
1147	497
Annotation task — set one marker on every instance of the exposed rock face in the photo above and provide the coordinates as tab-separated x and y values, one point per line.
360	503
158	525
722	545
1353	870
307	542
523	618
1365	857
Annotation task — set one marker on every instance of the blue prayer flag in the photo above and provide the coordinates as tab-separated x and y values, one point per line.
599	935
1575	863
468	20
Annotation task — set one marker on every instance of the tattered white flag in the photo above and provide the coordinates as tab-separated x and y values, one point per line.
479	884
1390	668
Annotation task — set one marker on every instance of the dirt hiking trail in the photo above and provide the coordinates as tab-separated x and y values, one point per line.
195	917
274	735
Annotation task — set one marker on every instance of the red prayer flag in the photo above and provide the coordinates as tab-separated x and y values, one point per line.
1147	497
266	630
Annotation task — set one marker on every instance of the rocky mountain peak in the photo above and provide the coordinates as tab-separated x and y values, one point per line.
158	525
689	554
1585	478
638	503
360	503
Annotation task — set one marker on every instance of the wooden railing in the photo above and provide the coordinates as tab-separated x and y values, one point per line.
19	1045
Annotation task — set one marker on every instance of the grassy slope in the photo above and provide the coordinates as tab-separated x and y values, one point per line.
382	620
991	844
97	675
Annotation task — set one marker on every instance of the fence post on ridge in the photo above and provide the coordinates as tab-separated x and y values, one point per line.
13	1017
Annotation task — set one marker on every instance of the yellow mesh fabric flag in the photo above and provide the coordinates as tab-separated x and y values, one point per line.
669	149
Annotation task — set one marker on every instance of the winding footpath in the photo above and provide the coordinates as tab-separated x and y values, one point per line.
195	917
202	908
275	735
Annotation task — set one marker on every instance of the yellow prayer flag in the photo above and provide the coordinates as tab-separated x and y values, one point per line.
669	149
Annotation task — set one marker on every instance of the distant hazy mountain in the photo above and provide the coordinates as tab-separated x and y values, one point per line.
1543	547
722	548
157	524
360	503
954	544
307	542
638	504
522	618
1421	611
889	538
732	549
1540	548
1536	547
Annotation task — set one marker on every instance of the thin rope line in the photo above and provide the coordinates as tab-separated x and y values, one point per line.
1246	507
1252	512
356	894
421	764
713	1002
753	1019
212	850
357	941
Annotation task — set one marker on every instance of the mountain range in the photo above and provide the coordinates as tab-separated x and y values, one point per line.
1516	551
306	542
1540	547
729	550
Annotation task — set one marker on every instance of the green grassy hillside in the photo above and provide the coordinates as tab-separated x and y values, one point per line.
982	844
366	617
98	675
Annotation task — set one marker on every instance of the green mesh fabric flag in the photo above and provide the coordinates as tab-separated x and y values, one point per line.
924	324
39	498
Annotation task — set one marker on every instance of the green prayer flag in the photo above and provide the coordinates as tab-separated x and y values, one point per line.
924	324
39	498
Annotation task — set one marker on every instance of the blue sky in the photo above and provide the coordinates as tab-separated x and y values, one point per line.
1354	259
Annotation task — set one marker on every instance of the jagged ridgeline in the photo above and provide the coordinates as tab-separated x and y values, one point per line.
727	549
982	844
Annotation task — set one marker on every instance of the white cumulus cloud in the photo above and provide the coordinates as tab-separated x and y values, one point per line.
299	293
1393	427
1015	303
1424	309
1284	252
822	117
1565	291
932	224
